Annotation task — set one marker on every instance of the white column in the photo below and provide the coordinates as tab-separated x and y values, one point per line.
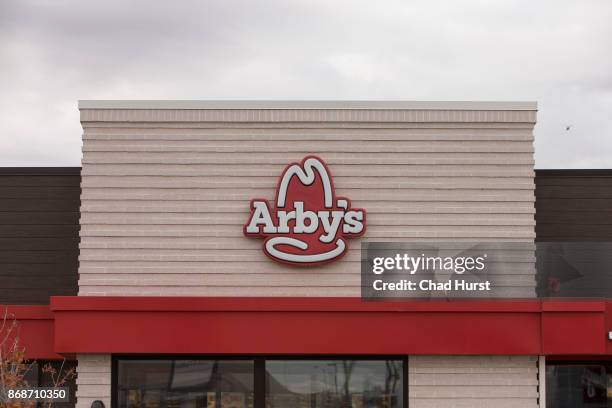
542	381
93	379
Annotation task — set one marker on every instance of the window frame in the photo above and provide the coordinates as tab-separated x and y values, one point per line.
259	367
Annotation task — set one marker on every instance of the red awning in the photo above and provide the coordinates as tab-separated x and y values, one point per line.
174	325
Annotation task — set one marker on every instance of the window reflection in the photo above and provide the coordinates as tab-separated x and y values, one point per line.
185	384
579	385
143	383
334	383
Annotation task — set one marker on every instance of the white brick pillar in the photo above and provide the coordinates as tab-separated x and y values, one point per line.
473	381
93	379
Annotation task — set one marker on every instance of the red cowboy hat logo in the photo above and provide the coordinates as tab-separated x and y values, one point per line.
308	224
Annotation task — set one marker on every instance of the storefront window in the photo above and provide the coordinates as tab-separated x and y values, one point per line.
258	383
334	384
185	384
570	385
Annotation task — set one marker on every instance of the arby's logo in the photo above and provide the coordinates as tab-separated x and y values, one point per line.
307	224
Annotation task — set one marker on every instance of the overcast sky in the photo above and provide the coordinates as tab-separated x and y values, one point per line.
53	53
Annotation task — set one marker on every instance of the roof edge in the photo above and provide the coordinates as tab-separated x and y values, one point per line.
307	104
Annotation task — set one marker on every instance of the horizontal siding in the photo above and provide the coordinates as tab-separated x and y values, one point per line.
164	268
473	382
93	379
255	291
341	182
352	158
374	231
383	207
263	279
163	203
327	130
305	146
188	253
362	194
307	115
237	218
39	233
574	205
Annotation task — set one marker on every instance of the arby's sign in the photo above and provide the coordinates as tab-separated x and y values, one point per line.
307	224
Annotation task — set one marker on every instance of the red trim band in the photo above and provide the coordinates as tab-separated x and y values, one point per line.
176	325
172	325
286	304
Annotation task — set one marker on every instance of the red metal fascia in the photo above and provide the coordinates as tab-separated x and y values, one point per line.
283	304
326	326
175	325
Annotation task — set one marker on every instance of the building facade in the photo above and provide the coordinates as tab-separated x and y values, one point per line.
178	305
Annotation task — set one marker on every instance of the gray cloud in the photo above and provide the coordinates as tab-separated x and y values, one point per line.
555	52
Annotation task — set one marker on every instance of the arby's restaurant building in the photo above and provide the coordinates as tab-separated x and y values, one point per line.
211	254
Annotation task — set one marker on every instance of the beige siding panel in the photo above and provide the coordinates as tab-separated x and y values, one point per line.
128	269
467	130
355	195
473	381
500	131
424	171
166	192
187	254
305	146
305	115
260	267
302	278
257	291
237	218
229	291
340	182
235	231
373	207
93	379
355	158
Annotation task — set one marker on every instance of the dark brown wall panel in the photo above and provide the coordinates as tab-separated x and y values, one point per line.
39	224
39	233
573	205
